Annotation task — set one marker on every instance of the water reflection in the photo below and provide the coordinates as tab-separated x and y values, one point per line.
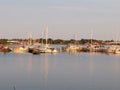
116	72
44	66
25	62
112	54
29	64
91	67
81	71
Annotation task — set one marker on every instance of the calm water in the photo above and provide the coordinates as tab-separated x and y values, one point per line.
62	71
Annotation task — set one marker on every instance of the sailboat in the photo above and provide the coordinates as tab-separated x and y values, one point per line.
73	47
113	48
46	48
117	50
94	47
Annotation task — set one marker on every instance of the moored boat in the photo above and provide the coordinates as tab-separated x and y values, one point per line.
4	49
96	48
71	48
117	50
20	49
36	51
111	49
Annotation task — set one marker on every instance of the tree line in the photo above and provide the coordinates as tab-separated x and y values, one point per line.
58	41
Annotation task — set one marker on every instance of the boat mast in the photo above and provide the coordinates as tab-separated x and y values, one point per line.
42	38
91	36
116	41
75	37
30	39
46	33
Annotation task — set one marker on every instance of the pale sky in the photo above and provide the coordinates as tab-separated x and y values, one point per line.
64	18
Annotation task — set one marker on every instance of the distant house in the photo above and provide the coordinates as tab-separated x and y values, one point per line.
13	42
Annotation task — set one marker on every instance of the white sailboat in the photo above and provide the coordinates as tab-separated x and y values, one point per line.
117	50
113	48
46	48
95	47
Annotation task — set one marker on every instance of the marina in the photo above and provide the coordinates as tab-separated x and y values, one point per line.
70	48
59	45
